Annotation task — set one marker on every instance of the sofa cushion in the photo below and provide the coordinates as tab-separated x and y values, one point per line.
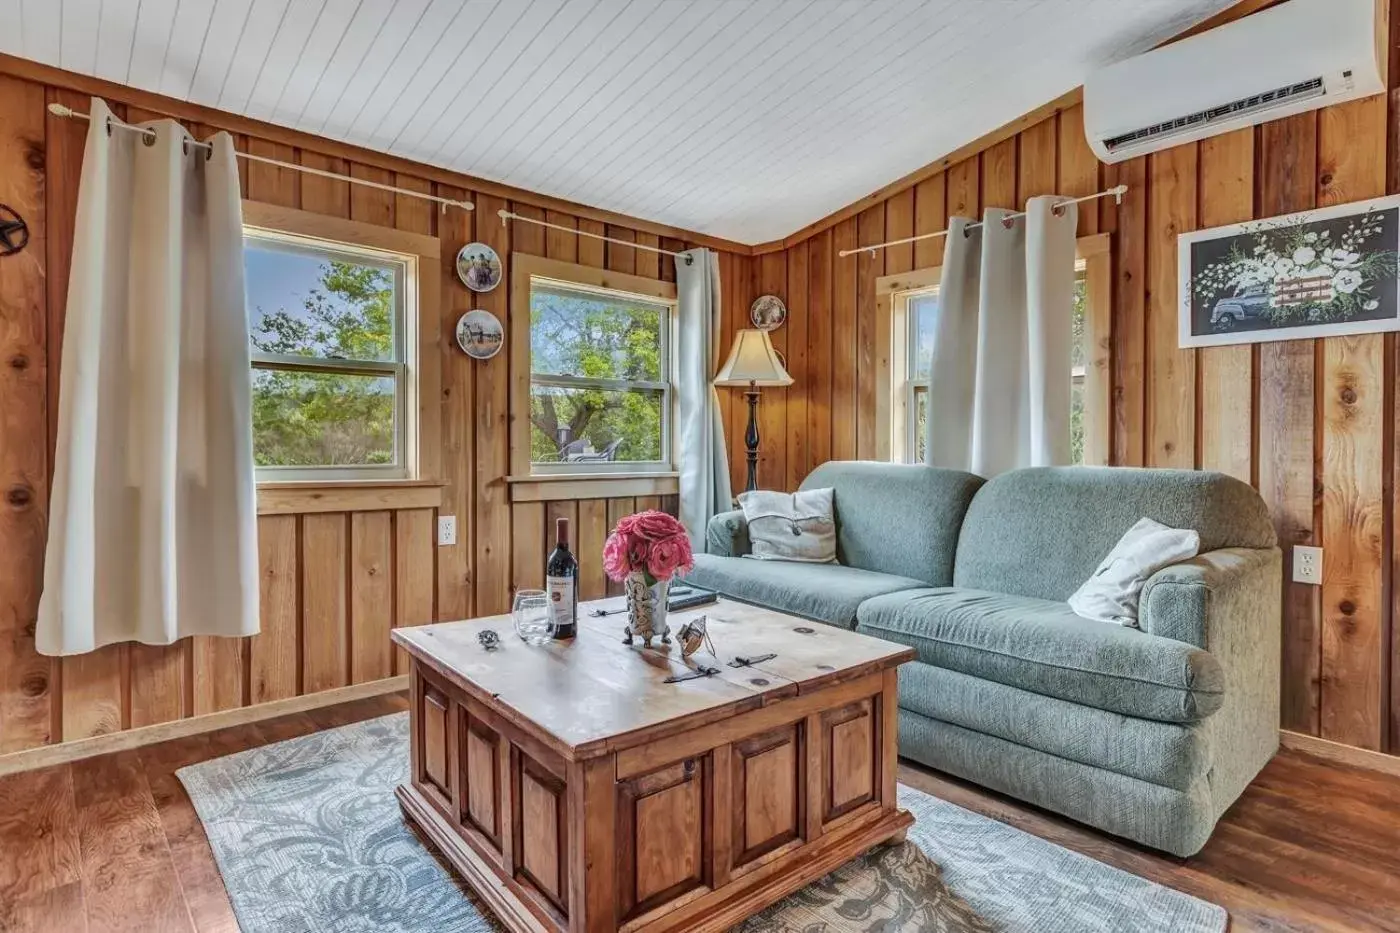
825	592
1041	532
1043	647
897	518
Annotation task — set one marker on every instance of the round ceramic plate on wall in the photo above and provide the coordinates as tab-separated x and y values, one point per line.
479	334
768	312
478	267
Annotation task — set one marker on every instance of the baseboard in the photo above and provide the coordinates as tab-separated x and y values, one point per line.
1339	753
48	755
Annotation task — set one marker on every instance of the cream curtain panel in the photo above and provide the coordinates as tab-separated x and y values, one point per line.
704	463
999	395
153	524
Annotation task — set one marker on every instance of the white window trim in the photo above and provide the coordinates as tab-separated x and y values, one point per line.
405	368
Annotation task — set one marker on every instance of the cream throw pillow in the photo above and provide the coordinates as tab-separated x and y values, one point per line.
1112	593
791	526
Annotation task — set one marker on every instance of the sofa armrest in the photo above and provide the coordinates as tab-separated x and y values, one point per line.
1191	601
727	535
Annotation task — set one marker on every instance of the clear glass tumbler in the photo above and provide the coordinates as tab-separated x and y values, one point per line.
531	613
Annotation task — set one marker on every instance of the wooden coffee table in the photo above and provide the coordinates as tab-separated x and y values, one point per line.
575	789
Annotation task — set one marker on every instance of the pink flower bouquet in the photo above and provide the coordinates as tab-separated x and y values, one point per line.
650	543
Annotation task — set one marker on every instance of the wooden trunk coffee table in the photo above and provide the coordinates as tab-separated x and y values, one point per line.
574	789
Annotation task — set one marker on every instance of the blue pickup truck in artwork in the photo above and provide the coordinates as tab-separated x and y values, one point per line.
1248	302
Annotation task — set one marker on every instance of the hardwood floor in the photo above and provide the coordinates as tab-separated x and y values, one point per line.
113	843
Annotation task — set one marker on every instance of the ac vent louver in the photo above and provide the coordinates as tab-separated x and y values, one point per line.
1305	90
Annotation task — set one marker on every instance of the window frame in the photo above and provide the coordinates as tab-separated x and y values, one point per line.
532	481
896	391
417	366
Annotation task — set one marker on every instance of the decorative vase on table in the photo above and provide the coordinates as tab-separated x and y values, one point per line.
644	552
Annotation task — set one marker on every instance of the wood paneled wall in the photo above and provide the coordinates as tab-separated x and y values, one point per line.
333	583
1311	423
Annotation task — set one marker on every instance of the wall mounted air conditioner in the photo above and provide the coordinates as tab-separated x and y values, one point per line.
1297	56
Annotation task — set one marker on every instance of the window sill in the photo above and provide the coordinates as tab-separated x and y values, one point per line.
554	487
296	498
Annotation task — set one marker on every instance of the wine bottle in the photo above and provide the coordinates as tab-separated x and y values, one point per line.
561	576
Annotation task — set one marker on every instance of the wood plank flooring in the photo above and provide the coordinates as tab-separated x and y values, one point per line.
113	843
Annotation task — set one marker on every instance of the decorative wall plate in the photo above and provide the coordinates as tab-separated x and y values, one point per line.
480	335
478	267
768	312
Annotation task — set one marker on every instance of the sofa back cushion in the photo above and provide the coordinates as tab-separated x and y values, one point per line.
1041	531
897	518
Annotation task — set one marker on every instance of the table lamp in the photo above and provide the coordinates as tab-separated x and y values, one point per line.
752	363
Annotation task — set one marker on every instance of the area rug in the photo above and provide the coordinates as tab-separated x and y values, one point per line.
309	838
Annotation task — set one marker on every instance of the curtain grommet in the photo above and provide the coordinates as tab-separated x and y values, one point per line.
148	137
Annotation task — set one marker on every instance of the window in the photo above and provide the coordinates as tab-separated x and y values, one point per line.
331	341
911	302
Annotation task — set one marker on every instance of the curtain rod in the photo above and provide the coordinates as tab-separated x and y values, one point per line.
59	110
1115	192
507	216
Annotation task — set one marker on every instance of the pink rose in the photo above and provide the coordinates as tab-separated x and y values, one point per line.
670	555
626	525
637	549
615	557
654	525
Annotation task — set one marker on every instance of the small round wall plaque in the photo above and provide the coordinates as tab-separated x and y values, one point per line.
768	312
478	267
479	334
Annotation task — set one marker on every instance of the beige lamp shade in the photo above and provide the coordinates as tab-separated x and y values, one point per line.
753	361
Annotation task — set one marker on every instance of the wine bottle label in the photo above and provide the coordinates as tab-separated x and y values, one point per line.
561	600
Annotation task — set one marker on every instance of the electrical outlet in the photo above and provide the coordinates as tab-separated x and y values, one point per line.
1307	564
447	530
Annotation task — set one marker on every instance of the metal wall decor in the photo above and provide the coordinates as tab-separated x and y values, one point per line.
768	312
14	232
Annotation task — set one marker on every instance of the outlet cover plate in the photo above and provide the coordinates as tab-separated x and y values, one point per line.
1307	564
447	530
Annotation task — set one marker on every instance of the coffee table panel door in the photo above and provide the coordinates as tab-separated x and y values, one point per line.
480	767
663	836
433	741
541	830
851	757
768	790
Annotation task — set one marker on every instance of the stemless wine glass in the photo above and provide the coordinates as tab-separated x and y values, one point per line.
531	612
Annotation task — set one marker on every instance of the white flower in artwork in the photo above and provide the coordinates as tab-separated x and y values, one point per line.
1258	249
1310	237
1347	281
1304	255
1371	305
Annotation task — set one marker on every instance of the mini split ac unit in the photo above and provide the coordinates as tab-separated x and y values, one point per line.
1297	56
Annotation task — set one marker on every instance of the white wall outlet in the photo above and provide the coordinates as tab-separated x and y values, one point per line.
1307	564
447	530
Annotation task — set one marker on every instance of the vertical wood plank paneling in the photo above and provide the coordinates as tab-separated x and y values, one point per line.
414	214
799	316
648	262
870	229
1171	396
559	244
370	205
1038	165
319	194
454	577
1079	169
899	224
819	350
1129	303
371	595
271	184
999	175
843	343
618	509
325	628
621	258
26	679
527	545
1351	166
964	194
591	251
492	412
527	237
1287	410
1227	373
275	652
930	216
414	586
771	279
592	532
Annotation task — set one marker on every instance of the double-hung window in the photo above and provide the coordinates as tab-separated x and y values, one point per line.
331	343
600	379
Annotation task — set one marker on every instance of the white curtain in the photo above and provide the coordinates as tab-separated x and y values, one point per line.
999	396
152	531
704	464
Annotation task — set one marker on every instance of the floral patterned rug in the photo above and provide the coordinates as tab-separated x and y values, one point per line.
309	839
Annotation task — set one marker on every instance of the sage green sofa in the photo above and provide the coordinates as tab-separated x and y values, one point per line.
1148	734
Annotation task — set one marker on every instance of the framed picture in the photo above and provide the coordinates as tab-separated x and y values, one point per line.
478	267
1327	272
479	334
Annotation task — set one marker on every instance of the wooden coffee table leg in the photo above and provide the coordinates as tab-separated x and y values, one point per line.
592	845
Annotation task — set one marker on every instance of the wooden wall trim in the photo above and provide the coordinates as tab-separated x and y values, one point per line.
219	119
46	756
1338	753
305	498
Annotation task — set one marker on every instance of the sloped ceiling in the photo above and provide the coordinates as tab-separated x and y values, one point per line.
744	119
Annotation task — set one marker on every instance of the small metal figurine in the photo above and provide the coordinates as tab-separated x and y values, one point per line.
693	635
490	641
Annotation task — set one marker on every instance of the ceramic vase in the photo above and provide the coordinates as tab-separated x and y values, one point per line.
646	610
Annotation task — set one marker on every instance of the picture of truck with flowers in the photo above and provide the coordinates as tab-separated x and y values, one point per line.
1324	272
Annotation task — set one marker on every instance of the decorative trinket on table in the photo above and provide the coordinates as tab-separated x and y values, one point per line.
479	267
489	639
645	551
693	635
479	334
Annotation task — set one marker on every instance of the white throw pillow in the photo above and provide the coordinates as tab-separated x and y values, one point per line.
1112	593
791	525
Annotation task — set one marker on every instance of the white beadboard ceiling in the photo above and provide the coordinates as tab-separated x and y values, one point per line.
744	119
